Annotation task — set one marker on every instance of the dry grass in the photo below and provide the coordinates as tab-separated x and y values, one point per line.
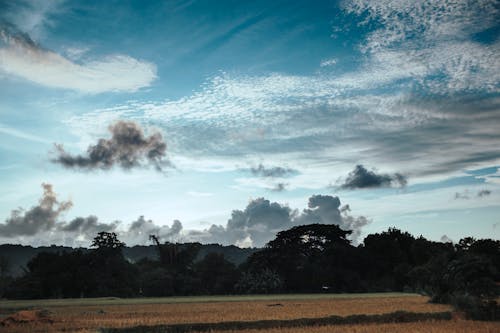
455	326
84	318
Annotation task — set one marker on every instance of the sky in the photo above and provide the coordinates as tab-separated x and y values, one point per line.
228	121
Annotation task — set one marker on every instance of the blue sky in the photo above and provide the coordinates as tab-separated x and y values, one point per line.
264	99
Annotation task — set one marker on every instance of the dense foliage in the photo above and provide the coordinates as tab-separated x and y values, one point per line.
308	258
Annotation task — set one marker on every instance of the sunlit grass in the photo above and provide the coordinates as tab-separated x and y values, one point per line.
88	315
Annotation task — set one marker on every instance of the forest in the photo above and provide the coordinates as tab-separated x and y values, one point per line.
315	258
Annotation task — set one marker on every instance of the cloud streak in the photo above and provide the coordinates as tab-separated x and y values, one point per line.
128	148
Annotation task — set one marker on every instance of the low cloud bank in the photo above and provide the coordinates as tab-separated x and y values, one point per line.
255	225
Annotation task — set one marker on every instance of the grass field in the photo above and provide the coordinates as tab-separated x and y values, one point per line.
89	315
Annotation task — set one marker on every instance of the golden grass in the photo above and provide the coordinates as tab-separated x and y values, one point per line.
85	318
455	326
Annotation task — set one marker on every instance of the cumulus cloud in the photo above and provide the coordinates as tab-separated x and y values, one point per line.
22	57
259	222
87	225
39	218
43	224
128	148
140	230
255	225
360	178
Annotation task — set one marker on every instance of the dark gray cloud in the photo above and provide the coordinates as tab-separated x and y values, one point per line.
466	194
10	33
279	187
255	225
327	209
87	225
128	148
483	193
361	177
272	172
259	222
43	225
39	218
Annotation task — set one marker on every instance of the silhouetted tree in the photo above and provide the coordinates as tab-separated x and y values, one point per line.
5	278
298	256
265	281
217	275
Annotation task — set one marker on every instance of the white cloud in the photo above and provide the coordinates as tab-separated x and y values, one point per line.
431	42
23	58
328	62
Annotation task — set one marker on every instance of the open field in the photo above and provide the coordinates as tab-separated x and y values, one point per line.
88	315
454	326
22	304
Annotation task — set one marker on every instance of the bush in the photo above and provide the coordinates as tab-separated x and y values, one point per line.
476	308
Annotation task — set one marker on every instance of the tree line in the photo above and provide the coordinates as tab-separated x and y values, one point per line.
308	258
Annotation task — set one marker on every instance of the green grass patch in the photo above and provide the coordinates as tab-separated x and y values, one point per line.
24	304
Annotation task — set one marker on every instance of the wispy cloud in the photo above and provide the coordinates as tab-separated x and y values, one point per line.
432	42
23	57
22	134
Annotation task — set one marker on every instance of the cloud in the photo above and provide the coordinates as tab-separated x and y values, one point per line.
140	230
446	239
22	57
255	225
328	62
128	148
32	17
39	218
360	177
279	187
259	222
433	41
271	172
462	195
43	224
483	193
467	195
